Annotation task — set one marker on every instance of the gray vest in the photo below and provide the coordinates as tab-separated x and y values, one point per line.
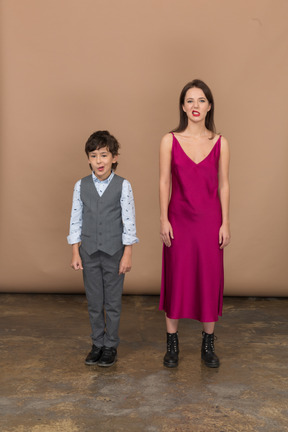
102	225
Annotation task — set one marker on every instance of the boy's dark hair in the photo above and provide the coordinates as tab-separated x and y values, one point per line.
101	139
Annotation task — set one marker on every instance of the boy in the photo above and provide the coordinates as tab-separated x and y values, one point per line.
102	231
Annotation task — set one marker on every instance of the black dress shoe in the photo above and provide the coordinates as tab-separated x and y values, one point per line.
108	358
94	355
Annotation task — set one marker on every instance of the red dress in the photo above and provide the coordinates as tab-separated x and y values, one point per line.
192	268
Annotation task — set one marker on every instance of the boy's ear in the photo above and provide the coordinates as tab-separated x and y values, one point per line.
115	158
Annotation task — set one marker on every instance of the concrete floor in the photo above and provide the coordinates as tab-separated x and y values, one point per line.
46	387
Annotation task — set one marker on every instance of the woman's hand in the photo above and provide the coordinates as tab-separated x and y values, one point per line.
224	235
166	233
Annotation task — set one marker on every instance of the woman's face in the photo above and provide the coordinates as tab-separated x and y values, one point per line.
196	104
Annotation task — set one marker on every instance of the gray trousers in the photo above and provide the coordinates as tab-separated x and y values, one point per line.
103	287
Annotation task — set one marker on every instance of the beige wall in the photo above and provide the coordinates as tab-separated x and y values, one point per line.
70	68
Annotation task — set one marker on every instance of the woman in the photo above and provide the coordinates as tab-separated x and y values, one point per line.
194	163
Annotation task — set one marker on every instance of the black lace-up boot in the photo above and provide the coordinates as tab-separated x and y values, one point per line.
208	351
171	356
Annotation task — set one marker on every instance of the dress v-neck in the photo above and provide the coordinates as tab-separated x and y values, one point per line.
197	163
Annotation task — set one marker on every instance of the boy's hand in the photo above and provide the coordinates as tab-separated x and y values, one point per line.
76	262
126	260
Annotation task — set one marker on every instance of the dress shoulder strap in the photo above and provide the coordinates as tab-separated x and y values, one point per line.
218	146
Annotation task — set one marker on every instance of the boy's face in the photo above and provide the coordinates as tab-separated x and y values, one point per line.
101	161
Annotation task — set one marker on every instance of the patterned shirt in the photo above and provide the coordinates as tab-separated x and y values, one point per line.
127	206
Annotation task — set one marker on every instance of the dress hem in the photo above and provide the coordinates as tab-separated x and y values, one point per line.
193	318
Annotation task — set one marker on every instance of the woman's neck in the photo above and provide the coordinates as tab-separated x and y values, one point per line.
196	130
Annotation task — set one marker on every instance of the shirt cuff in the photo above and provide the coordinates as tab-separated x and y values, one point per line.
73	238
128	240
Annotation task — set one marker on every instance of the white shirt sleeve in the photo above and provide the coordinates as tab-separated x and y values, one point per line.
128	214
76	216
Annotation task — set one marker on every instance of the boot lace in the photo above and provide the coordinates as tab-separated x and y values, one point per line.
172	344
209	343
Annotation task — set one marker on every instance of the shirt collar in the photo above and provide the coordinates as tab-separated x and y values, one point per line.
106	181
